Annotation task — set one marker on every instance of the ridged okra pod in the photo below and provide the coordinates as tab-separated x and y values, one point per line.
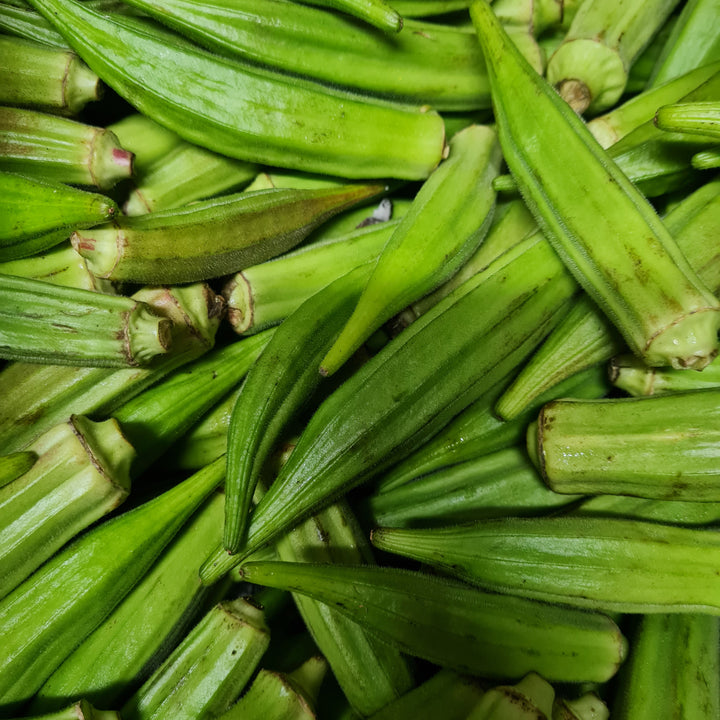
456	626
673	670
49	614
38	214
618	249
374	12
660	447
26	23
635	378
208	670
700	118
61	150
36	397
707	160
449	218
81	474
121	653
14	465
590	68
211	238
397	400
263	295
246	112
46	78
585	562
530	699
46	323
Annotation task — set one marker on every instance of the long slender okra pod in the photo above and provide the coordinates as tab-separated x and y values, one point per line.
245	112
619	250
578	561
449	218
456	626
238	230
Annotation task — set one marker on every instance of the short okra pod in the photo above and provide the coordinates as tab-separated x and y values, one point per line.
700	118
45	323
619	251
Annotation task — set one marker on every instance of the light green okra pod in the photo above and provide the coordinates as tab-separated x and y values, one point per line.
700	118
530	699
28	24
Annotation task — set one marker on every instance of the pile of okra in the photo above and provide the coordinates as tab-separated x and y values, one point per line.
358	359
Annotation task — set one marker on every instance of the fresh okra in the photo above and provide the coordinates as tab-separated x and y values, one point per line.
249	113
449	218
211	238
81	710
44	77
27	24
619	251
700	118
587	707
590	68
81	474
37	214
706	160
208	670
425	8
579	561
145	139
14	465
530	699
456	626
50	613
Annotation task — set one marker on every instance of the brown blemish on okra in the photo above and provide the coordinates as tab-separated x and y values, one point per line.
576	94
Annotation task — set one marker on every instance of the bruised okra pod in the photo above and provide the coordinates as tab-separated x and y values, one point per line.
456	626
673	667
208	670
530	699
449	218
44	77
61	150
590	68
620	252
141	631
236	230
635	378
81	474
580	561
700	118
38	214
47	323
49	614
663	447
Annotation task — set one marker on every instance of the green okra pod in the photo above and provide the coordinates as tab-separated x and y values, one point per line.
590	68
14	465
540	16
579	561
44	77
121	653
700	118
145	139
249	113
61	150
619	250
397	400
81	474
530	699
27	24
374	12
425	8
659	447
707	160
38	214
456	626
449	218
211	238
50	613
208	670
81	710
46	323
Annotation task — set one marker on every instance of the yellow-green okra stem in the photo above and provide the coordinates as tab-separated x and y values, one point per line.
604	229
212	238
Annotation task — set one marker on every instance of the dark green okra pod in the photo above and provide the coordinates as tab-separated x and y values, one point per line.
14	465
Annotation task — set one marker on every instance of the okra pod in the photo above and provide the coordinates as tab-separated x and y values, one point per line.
38	214
587	707
659	447
629	374
539	16
81	710
457	626
50	613
208	670
61	150
621	253
374	12
449	218
14	465
579	561
700	118
238	230
530	699
425	8
249	113
706	160
44	77
145	139
28	24
47	323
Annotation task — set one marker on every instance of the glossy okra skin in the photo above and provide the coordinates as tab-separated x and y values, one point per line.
28	24
617	247
81	710
246	112
374	12
214	237
661	447
700	118
456	626
13	465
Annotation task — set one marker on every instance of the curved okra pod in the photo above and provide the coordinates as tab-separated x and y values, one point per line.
249	113
579	561
619	250
701	118
236	231
456	626
449	218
